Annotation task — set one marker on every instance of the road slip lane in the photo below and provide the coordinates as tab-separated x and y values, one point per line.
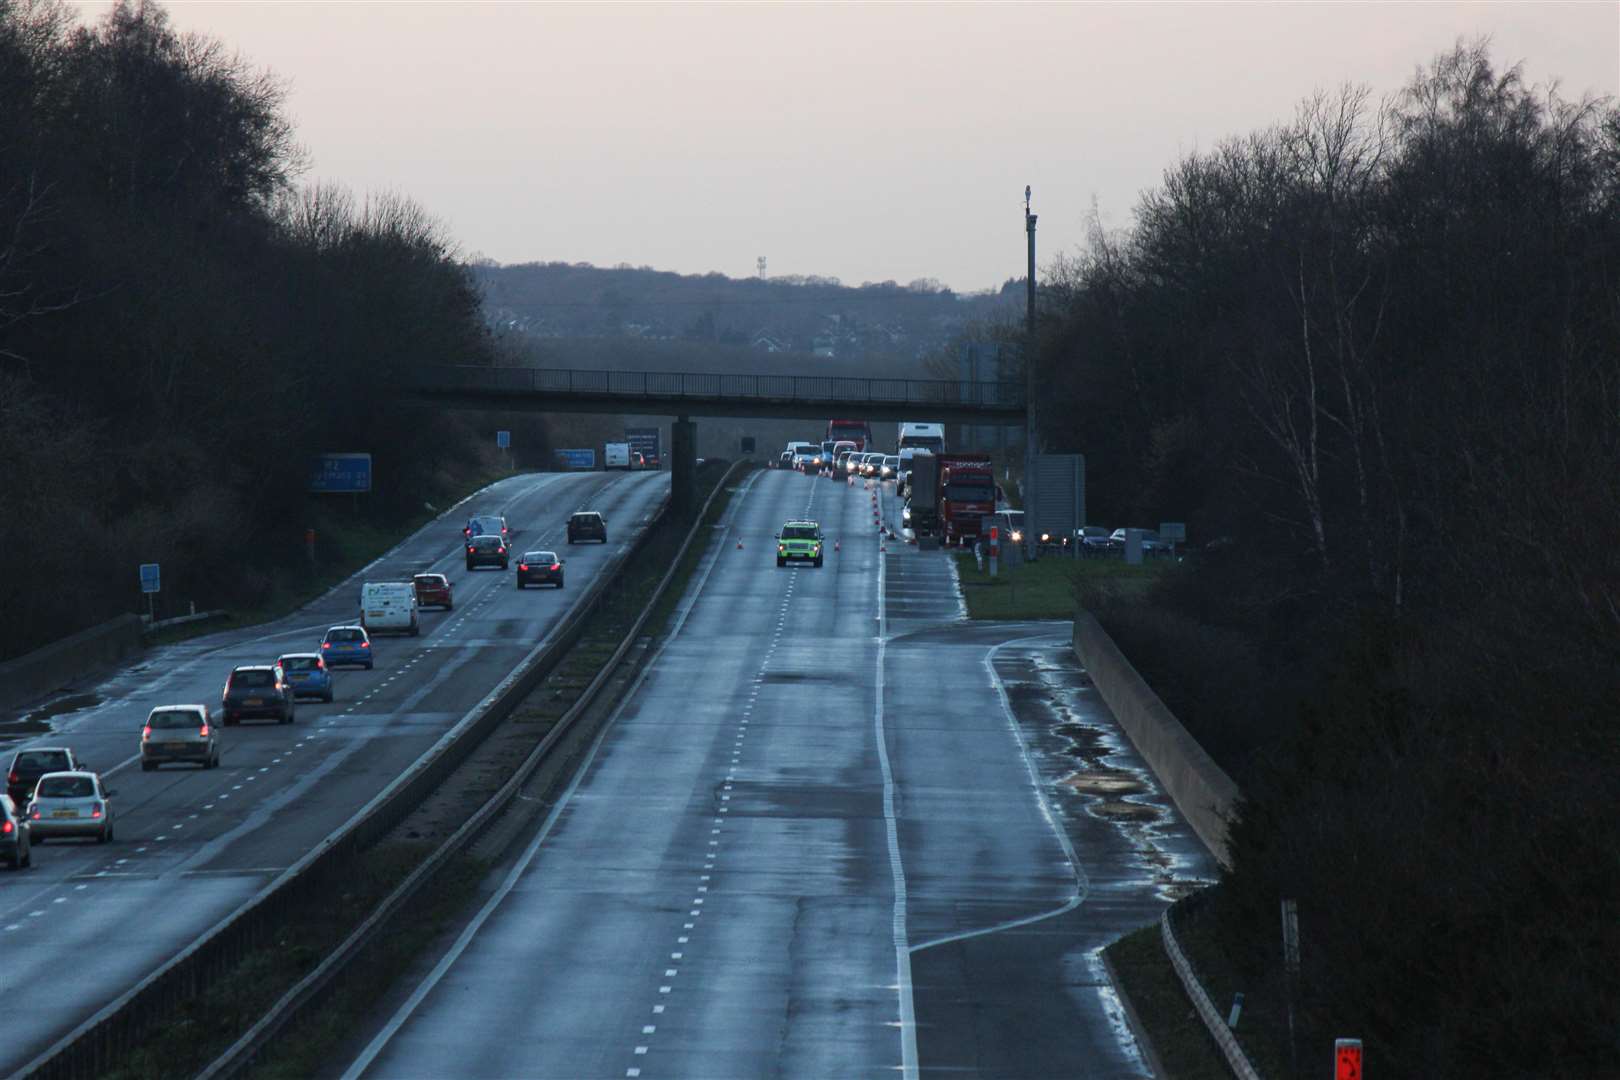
809	848
192	845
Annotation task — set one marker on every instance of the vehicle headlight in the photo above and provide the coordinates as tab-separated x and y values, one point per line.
1046	538
1018	536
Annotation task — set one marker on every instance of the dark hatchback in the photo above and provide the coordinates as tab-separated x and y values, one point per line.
29	765
486	551
257	690
539	568
587	525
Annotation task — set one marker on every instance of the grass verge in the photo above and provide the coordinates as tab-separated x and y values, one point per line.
188	1042
1166	1013
346	542
1052	587
1163	1009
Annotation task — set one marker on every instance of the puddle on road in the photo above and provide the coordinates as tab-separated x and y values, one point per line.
62	706
1104	782
1044	682
38	722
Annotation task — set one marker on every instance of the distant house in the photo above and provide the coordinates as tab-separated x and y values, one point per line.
765	343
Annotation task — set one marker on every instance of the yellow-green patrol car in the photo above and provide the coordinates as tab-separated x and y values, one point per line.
799	540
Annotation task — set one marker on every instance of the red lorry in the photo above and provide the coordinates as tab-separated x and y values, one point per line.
966	495
858	432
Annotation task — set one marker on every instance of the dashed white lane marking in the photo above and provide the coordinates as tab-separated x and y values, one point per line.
648	1029
658	1009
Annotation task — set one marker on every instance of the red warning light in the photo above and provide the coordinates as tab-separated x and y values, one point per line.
1347	1059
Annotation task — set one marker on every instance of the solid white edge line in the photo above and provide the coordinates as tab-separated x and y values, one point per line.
897	869
1082	883
403	1014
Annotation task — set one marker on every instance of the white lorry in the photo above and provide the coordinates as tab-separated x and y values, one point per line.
616	455
930	437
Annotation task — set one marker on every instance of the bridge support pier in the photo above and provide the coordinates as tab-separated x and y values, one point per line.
682	465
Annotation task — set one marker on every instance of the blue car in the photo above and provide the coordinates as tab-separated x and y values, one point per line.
347	645
308	675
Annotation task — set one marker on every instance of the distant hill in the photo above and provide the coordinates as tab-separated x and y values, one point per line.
809	316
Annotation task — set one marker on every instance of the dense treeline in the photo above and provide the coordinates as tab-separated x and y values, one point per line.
1375	355
878	321
181	329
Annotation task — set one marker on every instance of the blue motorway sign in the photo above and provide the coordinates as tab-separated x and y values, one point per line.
576	459
341	472
503	439
151	581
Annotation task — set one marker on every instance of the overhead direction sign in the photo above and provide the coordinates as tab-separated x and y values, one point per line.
345	472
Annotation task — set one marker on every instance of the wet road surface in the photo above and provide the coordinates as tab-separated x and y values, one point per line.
837	831
90	920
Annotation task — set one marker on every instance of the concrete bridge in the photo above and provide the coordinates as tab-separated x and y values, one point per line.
685	395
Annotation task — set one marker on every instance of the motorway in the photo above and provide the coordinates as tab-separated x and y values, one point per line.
836	830
90	920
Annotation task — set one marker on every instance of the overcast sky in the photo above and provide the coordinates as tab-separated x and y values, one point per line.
865	142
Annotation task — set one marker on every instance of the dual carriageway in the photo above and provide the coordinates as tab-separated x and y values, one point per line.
836	829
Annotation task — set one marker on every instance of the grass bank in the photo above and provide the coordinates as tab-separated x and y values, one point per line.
1051	588
345	541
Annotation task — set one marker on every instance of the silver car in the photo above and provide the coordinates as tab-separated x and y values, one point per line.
179	733
70	804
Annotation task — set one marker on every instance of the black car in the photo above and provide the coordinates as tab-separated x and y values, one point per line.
486	551
539	568
587	525
14	835
257	690
27	766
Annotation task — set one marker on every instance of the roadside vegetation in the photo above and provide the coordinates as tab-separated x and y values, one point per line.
1048	587
1371	356
182	329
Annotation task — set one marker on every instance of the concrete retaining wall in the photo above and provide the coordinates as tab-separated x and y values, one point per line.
37	674
1201	789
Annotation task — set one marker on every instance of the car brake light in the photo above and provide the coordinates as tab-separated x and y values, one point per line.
36	815
6	828
365	644
471	549
556	566
12	779
146	732
95	809
523	566
204	731
320	664
326	644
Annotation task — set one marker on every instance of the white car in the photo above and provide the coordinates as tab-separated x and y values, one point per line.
70	804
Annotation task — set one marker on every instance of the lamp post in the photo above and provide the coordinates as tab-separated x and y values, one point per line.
1030	442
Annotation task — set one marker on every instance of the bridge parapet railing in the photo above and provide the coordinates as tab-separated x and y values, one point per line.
721	386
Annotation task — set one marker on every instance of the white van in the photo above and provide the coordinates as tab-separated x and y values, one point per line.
389	605
616	455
